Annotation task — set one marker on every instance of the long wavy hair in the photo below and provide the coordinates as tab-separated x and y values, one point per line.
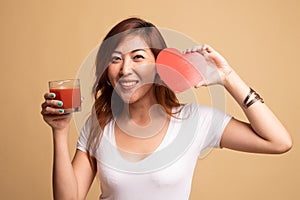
102	89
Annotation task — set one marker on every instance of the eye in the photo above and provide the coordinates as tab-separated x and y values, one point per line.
138	57
115	59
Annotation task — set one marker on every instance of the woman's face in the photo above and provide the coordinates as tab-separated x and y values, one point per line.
132	69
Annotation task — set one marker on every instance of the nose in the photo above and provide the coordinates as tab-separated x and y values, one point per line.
126	67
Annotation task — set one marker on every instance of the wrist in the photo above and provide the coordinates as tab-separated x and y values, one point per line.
233	80
61	132
236	87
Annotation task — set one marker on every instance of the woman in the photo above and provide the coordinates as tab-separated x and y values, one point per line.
143	120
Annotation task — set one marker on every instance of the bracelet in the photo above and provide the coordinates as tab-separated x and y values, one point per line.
251	98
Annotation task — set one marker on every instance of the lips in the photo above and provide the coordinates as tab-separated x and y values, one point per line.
128	84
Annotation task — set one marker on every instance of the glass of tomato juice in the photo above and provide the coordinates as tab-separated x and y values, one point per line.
67	91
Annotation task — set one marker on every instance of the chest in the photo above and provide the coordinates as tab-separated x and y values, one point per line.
171	179
135	148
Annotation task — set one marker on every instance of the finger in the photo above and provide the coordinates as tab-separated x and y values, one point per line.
201	83
209	53
44	105
52	103
203	50
203	47
207	48
196	48
49	95
216	57
52	111
187	51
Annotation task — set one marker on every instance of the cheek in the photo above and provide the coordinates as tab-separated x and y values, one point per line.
112	73
147	72
139	93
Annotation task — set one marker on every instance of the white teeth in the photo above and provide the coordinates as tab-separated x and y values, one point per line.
128	84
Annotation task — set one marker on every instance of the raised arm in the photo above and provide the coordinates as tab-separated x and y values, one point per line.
71	180
264	133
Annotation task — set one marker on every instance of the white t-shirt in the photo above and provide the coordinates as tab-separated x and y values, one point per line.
167	173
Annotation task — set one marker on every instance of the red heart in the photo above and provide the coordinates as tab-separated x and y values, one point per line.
179	71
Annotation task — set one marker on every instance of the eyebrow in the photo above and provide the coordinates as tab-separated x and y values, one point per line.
118	52
135	50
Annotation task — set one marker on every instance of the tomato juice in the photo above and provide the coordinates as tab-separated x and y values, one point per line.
70	97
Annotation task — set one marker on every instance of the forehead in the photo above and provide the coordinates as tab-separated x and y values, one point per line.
131	43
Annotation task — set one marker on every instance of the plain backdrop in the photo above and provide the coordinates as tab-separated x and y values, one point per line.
48	40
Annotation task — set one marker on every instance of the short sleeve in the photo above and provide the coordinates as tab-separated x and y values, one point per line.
211	123
84	135
219	122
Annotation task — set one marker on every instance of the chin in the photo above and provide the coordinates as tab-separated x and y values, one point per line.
129	100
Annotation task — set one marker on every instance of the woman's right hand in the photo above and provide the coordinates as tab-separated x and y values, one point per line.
54	114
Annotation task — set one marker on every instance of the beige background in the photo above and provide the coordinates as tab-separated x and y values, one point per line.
46	40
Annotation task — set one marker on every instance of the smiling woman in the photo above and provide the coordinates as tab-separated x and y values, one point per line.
132	73
135	34
141	141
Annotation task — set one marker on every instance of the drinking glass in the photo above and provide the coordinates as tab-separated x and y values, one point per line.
67	91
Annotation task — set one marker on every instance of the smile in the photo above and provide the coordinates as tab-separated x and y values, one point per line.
128	84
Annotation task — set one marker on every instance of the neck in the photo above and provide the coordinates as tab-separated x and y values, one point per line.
139	111
143	118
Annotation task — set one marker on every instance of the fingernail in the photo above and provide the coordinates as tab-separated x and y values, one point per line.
61	110
195	48
52	95
60	103
199	84
203	47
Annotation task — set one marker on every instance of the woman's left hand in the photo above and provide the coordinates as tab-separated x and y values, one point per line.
217	69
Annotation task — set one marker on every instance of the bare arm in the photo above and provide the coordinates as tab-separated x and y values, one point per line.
84	172
264	133
71	180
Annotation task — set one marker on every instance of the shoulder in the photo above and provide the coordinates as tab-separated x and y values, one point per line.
87	125
202	112
92	124
193	108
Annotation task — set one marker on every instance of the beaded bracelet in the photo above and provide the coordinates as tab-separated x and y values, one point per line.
251	98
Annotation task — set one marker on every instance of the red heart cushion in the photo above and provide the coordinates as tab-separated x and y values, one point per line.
179	71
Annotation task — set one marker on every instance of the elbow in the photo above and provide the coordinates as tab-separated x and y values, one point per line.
283	147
